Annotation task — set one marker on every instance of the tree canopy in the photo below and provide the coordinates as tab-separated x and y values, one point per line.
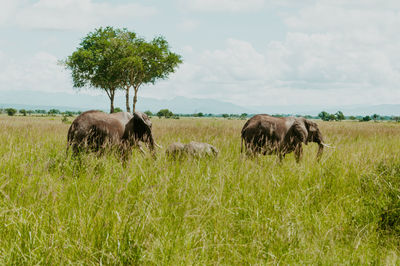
111	59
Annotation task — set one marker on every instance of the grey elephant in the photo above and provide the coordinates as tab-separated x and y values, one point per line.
266	134
195	149
96	131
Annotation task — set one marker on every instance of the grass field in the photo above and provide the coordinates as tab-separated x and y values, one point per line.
229	210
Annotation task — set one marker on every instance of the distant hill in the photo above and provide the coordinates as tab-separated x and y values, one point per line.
382	109
182	105
81	101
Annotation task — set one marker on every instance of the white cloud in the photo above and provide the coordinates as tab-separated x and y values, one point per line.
222	5
327	68
38	73
187	49
345	43
188	25
334	52
72	14
8	8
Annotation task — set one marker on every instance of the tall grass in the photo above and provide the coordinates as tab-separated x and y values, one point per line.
55	209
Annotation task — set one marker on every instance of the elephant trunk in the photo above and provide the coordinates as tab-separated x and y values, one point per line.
320	151
151	141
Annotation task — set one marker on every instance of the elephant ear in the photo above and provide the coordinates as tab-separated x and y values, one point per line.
314	134
139	129
298	133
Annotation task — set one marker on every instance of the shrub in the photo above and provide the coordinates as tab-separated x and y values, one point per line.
198	114
53	112
164	113
68	113
11	111
148	113
64	119
23	112
117	110
339	115
365	119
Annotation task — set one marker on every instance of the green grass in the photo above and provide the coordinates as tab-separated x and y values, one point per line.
230	210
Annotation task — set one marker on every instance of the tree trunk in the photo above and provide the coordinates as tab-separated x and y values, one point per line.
128	108
112	94
134	100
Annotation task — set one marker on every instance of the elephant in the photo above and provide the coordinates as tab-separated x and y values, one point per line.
175	149
95	131
195	149
280	135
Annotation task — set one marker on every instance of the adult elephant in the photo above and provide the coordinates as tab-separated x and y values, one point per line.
95	131
280	135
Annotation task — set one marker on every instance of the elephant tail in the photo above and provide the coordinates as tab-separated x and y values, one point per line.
241	144
69	139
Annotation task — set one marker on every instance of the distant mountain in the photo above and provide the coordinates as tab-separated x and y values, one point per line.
81	101
181	105
184	105
382	109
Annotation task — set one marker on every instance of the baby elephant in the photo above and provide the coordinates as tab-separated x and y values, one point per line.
196	149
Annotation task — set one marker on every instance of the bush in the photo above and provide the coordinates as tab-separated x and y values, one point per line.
11	111
117	110
40	111
198	114
68	113
23	112
64	119
164	113
325	116
365	119
148	113
53	112
339	115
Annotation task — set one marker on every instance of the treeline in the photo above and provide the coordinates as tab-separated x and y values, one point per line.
24	112
166	113
338	116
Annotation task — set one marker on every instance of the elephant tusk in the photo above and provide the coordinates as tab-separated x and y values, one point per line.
141	150
326	145
158	146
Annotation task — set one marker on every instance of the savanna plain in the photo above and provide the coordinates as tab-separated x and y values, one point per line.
57	209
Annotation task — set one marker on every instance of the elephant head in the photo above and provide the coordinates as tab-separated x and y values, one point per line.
315	135
139	129
307	131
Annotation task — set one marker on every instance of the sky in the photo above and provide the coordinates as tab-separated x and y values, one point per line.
247	52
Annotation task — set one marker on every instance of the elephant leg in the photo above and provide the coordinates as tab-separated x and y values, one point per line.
249	149
298	152
281	156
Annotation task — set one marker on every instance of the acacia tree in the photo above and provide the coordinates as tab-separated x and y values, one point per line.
146	62
111	59
95	62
